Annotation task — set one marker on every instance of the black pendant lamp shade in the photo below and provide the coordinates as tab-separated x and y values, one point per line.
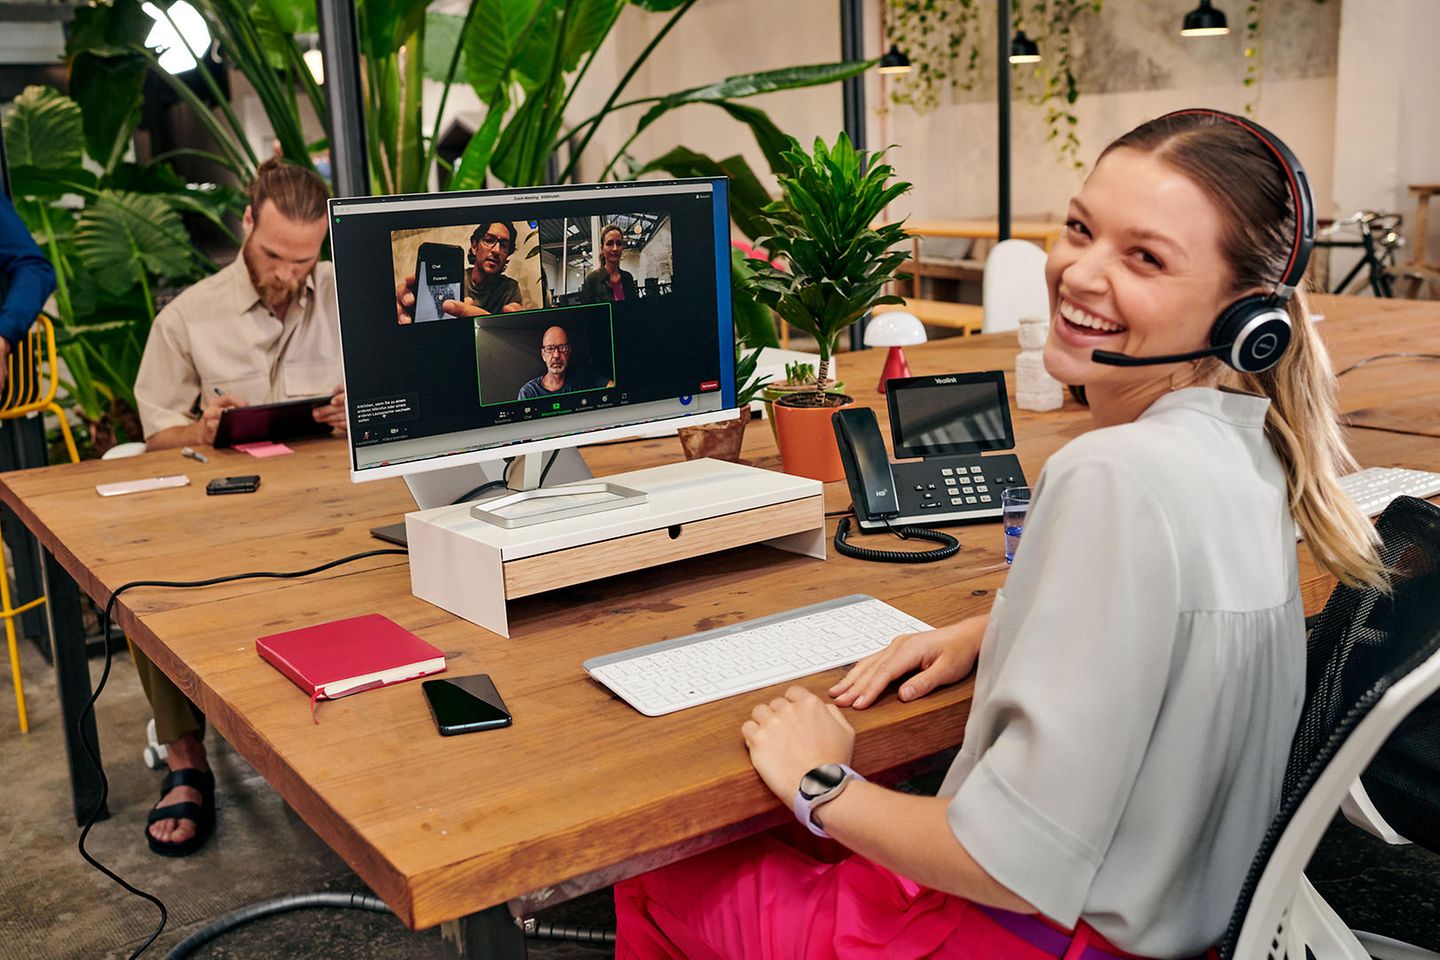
1204	21
894	61
1023	49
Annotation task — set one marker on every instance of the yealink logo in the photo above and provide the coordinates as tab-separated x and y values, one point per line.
883	493
940	380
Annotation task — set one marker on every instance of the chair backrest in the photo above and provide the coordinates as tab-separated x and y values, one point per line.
30	377
1372	657
1014	285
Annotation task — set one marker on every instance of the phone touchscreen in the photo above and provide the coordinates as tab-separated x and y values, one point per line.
465	704
439	276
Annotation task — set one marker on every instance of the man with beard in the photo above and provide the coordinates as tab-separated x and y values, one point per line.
558	378
487	289
263	329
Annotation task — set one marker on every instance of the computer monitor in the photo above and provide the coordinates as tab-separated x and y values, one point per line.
485	325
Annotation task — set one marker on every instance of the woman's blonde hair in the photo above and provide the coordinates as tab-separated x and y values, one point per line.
1246	184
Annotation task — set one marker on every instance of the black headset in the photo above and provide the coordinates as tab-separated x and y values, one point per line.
1252	333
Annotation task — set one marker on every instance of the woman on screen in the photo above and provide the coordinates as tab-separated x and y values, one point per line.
1142	672
608	283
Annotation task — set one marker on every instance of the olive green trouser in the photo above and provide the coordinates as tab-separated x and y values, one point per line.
175	715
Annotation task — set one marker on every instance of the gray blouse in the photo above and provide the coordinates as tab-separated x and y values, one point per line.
1140	678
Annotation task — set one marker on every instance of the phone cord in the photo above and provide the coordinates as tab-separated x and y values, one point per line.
949	545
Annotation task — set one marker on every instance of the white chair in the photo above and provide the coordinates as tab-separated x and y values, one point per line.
1014	285
1372	659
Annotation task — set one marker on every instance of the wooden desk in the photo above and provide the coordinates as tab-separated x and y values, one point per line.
582	790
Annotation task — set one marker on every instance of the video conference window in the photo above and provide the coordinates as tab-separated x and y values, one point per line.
531	356
611	258
470	270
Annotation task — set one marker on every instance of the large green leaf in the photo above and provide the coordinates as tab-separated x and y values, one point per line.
108	29
590	22
43	129
754	324
121	234
442	34
657	6
470	170
28	181
108	91
772	140
748	196
386	24
753	84
493	42
292	16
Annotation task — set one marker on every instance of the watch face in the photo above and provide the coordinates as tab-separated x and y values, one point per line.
821	779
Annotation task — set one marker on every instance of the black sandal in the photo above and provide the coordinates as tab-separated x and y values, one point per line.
201	814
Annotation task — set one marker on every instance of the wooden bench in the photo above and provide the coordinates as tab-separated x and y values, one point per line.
966	317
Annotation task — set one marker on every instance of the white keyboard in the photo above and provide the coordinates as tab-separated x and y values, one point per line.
1373	488
663	677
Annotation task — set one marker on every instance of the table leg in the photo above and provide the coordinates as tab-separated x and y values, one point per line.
72	682
490	934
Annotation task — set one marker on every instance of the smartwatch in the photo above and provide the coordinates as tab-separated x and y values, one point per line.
820	786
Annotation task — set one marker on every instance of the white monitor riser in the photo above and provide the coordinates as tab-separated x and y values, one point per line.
473	568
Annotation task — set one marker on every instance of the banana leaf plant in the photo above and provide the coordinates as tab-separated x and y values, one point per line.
525	59
114	239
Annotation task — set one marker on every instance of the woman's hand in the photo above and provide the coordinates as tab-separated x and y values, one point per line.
942	656
792	735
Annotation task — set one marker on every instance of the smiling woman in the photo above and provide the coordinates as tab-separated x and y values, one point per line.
1129	731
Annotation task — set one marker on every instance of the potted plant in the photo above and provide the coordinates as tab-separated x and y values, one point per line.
723	440
799	377
837	263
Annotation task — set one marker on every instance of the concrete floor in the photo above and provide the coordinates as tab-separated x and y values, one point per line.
53	905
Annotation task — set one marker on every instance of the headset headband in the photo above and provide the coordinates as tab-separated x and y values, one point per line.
1299	186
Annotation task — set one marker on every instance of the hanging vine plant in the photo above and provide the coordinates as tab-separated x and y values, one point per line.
943	39
1254	56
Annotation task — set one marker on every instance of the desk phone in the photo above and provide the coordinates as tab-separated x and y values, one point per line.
947	421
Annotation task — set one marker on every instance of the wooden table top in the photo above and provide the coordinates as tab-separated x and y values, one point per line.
582	790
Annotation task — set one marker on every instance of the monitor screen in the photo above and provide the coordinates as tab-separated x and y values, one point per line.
477	325
950	415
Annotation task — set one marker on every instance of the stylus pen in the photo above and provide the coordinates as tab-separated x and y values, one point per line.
194	455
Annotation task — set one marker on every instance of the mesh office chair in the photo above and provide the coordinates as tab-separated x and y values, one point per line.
29	388
1372	658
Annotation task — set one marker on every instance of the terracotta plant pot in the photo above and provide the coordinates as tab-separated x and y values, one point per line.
720	441
774	391
807	438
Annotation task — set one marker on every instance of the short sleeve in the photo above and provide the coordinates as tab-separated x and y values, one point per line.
513	294
167	385
1080	665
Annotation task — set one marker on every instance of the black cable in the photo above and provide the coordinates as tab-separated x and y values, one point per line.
472	494
1389	356
92	751
545	471
949	545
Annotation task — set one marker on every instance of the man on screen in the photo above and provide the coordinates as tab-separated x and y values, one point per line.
558	378
487	289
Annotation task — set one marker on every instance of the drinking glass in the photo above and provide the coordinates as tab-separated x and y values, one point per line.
1014	505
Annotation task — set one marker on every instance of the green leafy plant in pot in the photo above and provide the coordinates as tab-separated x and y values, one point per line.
723	440
836	264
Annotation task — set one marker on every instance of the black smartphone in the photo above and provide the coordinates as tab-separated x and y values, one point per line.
465	704
439	276
246	484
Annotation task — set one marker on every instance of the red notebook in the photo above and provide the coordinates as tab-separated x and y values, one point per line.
336	659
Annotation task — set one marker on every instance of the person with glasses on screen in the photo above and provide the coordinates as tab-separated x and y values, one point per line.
555	351
608	283
487	289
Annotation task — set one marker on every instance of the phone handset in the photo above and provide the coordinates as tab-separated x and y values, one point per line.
867	465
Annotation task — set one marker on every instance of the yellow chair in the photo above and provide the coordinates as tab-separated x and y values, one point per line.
29	388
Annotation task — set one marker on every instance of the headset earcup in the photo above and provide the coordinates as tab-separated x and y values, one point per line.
1255	330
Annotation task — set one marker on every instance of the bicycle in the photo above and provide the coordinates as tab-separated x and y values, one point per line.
1379	238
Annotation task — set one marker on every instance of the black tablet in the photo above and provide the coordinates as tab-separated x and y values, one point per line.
287	420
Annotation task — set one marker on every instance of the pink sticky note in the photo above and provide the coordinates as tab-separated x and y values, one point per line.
264	449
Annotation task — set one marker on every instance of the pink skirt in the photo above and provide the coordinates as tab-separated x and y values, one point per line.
787	896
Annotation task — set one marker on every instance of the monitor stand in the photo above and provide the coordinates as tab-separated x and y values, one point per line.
438	488
529	504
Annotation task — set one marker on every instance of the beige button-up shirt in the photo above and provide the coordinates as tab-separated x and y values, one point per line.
218	334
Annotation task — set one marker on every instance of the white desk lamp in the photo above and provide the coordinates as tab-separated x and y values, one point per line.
894	329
